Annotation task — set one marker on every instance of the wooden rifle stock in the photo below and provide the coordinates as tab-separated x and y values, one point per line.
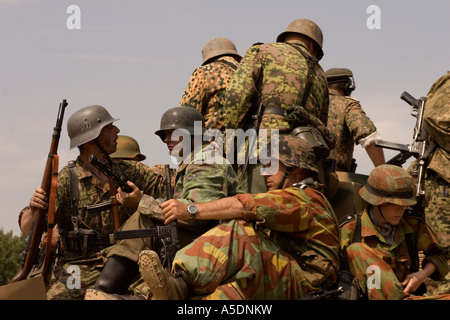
40	216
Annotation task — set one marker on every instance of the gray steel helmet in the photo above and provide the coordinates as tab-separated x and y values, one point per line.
305	27
86	124
217	47
128	148
180	118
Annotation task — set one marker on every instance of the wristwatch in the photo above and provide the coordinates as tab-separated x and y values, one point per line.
192	209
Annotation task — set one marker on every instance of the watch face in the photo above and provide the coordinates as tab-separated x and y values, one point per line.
192	211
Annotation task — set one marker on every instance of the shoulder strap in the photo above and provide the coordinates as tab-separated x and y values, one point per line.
311	62
73	187
228	63
357	236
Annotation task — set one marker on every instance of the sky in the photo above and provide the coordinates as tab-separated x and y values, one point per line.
135	59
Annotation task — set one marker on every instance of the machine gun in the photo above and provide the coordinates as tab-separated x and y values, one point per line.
167	234
420	148
105	167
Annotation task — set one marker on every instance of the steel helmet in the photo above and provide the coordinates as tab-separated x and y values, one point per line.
86	124
335	75
305	27
128	148
296	152
388	183
180	118
217	47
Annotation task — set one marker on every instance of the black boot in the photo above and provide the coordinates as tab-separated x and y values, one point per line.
117	275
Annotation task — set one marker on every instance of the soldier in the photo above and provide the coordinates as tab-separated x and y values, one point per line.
381	245
301	254
286	80
436	200
84	214
349	122
202	175
206	86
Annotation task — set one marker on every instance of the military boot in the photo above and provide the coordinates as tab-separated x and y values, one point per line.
163	285
117	275
93	294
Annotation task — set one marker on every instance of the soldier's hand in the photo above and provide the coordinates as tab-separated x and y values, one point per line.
174	209
130	200
38	200
412	282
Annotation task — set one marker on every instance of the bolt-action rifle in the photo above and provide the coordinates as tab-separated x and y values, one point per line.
36	257
167	234
420	148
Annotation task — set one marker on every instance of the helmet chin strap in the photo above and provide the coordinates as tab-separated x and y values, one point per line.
381	213
285	175
101	149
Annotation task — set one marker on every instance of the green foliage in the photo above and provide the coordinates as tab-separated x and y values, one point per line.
10	248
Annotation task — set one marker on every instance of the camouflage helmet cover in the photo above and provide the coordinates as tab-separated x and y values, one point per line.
296	152
128	148
86	124
308	28
389	184
180	118
217	47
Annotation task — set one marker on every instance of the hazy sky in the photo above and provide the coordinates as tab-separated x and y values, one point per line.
135	58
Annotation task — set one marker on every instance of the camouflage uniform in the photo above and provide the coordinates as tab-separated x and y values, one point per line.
392	259
259	259
389	250
206	90
91	191
348	120
195	182
436	202
275	75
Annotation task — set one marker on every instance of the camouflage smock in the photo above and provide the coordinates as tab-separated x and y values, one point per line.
436	202
274	75
393	260
206	88
242	253
349	122
92	191
196	181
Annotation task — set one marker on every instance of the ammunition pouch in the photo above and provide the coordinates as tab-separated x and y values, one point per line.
316	268
83	242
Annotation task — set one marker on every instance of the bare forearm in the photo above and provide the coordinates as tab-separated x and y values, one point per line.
222	209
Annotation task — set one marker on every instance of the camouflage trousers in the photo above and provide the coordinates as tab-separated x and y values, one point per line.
436	206
71	279
233	261
376	277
